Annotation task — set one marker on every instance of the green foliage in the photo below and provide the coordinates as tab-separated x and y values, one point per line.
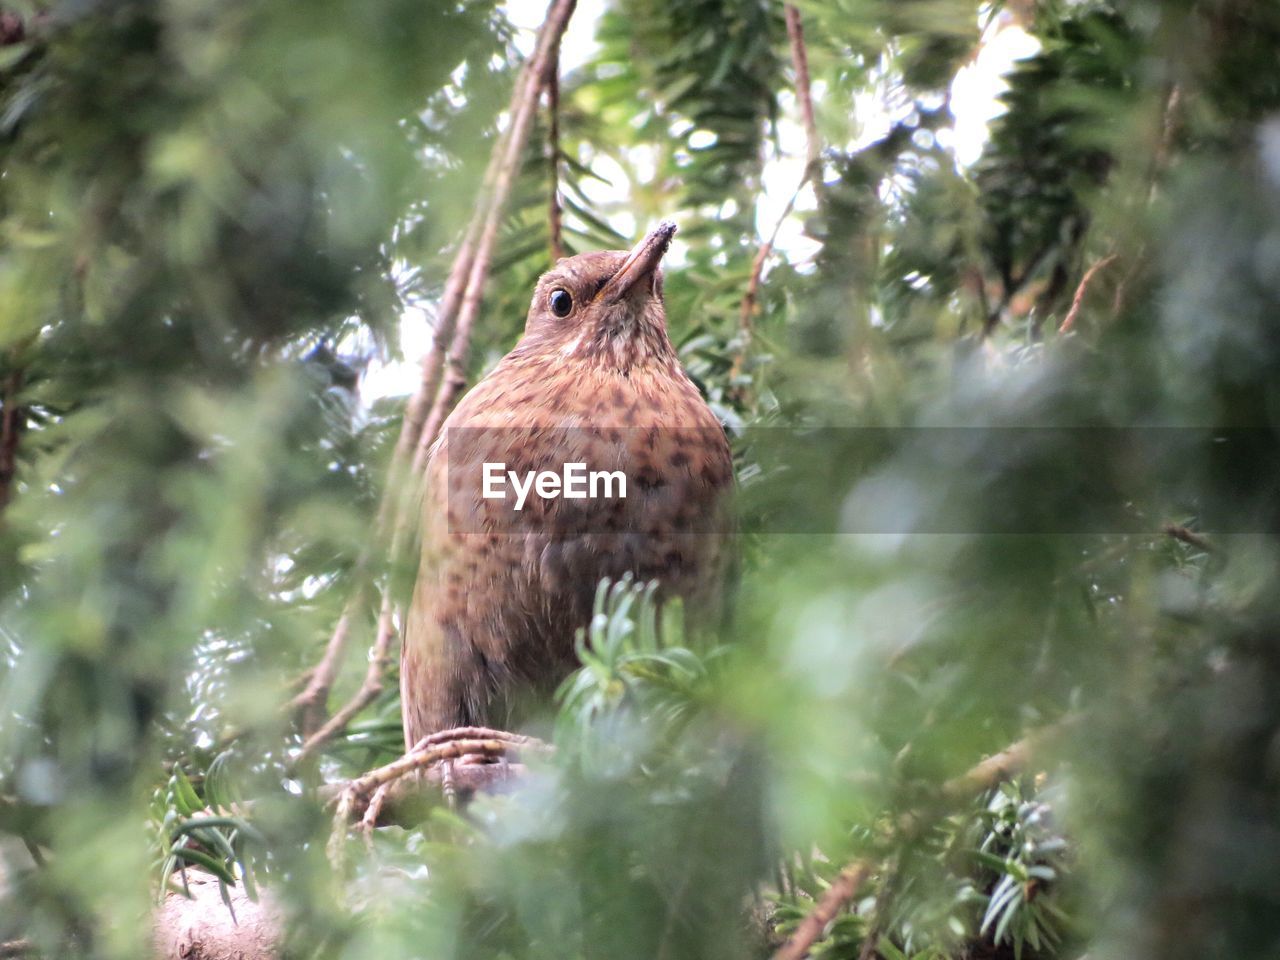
201	832
961	524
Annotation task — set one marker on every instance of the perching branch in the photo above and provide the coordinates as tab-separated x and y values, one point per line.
424	755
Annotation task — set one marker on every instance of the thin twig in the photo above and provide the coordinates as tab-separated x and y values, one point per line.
432	364
555	214
418	406
813	160
673	905
1069	321
370	688
1164	145
746	312
748	307
1169	126
369	822
800	61
812	171
311	704
37	856
874	929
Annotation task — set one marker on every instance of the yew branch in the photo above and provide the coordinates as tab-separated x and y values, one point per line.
843	889
370	688
311	704
812	171
747	310
362	788
555	214
984	775
800	62
533	79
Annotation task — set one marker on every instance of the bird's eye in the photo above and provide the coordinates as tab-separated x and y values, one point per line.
561	302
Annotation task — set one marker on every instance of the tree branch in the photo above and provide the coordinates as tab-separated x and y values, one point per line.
812	171
1069	321
982	776
311	704
747	310
555	214
811	928
202	926
800	61
425	755
370	688
12	421
533	81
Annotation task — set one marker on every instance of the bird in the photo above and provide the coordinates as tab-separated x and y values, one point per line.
501	592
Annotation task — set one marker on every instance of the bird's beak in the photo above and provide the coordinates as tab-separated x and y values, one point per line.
641	262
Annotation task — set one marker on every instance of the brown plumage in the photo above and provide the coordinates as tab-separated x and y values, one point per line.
500	592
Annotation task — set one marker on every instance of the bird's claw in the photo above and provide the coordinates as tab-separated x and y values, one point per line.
448	750
471	733
448	766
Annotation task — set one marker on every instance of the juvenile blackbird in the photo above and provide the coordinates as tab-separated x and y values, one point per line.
500	592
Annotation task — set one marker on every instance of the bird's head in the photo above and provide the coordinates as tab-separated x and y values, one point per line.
604	307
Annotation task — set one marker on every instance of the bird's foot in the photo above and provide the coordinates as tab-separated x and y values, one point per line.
485	758
463	760
474	733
